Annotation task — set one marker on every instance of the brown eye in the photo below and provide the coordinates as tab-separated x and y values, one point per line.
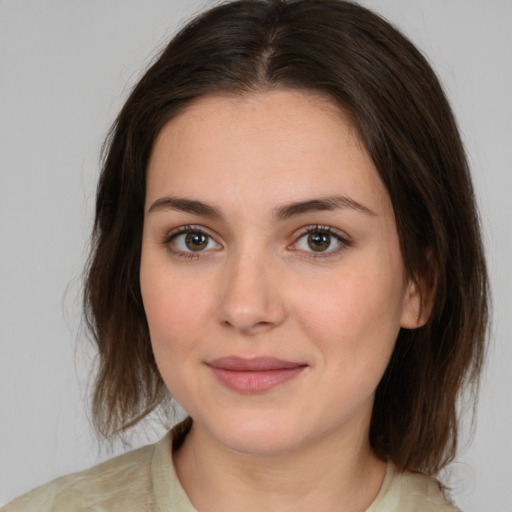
319	241
191	240
196	241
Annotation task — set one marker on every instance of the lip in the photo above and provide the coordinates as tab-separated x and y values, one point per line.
254	375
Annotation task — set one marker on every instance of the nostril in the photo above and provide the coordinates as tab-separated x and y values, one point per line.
246	325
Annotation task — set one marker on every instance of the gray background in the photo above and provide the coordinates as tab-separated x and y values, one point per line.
65	68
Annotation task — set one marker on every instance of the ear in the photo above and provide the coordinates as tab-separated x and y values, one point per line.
418	303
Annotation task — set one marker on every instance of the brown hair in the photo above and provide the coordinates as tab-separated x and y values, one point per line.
376	76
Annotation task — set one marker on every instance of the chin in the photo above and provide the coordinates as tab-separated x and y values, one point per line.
258	434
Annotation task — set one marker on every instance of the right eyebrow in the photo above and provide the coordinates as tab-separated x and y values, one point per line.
185	205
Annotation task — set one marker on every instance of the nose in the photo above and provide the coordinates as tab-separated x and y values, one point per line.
252	297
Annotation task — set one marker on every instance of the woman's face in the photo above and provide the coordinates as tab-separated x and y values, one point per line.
271	271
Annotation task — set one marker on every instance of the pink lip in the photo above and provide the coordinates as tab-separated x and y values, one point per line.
254	375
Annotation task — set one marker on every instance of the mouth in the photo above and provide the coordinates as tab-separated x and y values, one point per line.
254	375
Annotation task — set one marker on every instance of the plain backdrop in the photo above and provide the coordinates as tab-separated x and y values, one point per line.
65	69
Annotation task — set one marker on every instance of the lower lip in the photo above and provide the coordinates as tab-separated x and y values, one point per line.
255	381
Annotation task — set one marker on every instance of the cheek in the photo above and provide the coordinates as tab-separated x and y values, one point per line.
176	310
173	329
354	319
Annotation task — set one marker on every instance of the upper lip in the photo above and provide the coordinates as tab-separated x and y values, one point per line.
242	364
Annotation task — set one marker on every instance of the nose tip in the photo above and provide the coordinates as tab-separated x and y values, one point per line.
251	300
246	323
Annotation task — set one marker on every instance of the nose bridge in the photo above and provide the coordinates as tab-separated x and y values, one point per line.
251	298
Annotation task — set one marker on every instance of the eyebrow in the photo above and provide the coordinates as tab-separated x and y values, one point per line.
183	204
329	203
283	212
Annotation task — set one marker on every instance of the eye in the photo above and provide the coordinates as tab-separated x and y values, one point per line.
189	240
322	240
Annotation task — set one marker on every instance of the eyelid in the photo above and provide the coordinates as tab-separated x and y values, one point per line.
342	238
187	228
183	230
339	235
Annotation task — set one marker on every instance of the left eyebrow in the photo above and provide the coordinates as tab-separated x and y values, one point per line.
329	203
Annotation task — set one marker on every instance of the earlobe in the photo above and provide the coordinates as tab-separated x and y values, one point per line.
417	306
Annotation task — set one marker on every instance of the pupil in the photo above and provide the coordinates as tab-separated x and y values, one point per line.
319	241
196	241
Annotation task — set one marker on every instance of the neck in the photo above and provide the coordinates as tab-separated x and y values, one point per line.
331	473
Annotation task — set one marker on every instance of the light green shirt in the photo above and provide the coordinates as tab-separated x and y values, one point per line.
144	480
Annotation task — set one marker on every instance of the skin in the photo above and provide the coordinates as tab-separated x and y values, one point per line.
257	288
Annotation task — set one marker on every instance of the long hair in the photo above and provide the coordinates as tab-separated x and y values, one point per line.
395	102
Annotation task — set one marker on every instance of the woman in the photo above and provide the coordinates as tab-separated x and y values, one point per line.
286	242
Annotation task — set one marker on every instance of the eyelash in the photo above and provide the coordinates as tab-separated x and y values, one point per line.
185	230
343	240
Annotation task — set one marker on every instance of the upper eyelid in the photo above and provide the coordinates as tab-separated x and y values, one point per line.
184	230
189	228
339	234
343	239
342	235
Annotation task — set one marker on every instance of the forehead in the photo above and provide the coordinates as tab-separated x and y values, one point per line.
265	144
259	109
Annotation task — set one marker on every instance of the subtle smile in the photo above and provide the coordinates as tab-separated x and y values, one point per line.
255	375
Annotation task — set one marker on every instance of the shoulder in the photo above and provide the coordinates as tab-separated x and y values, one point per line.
123	483
411	492
421	492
